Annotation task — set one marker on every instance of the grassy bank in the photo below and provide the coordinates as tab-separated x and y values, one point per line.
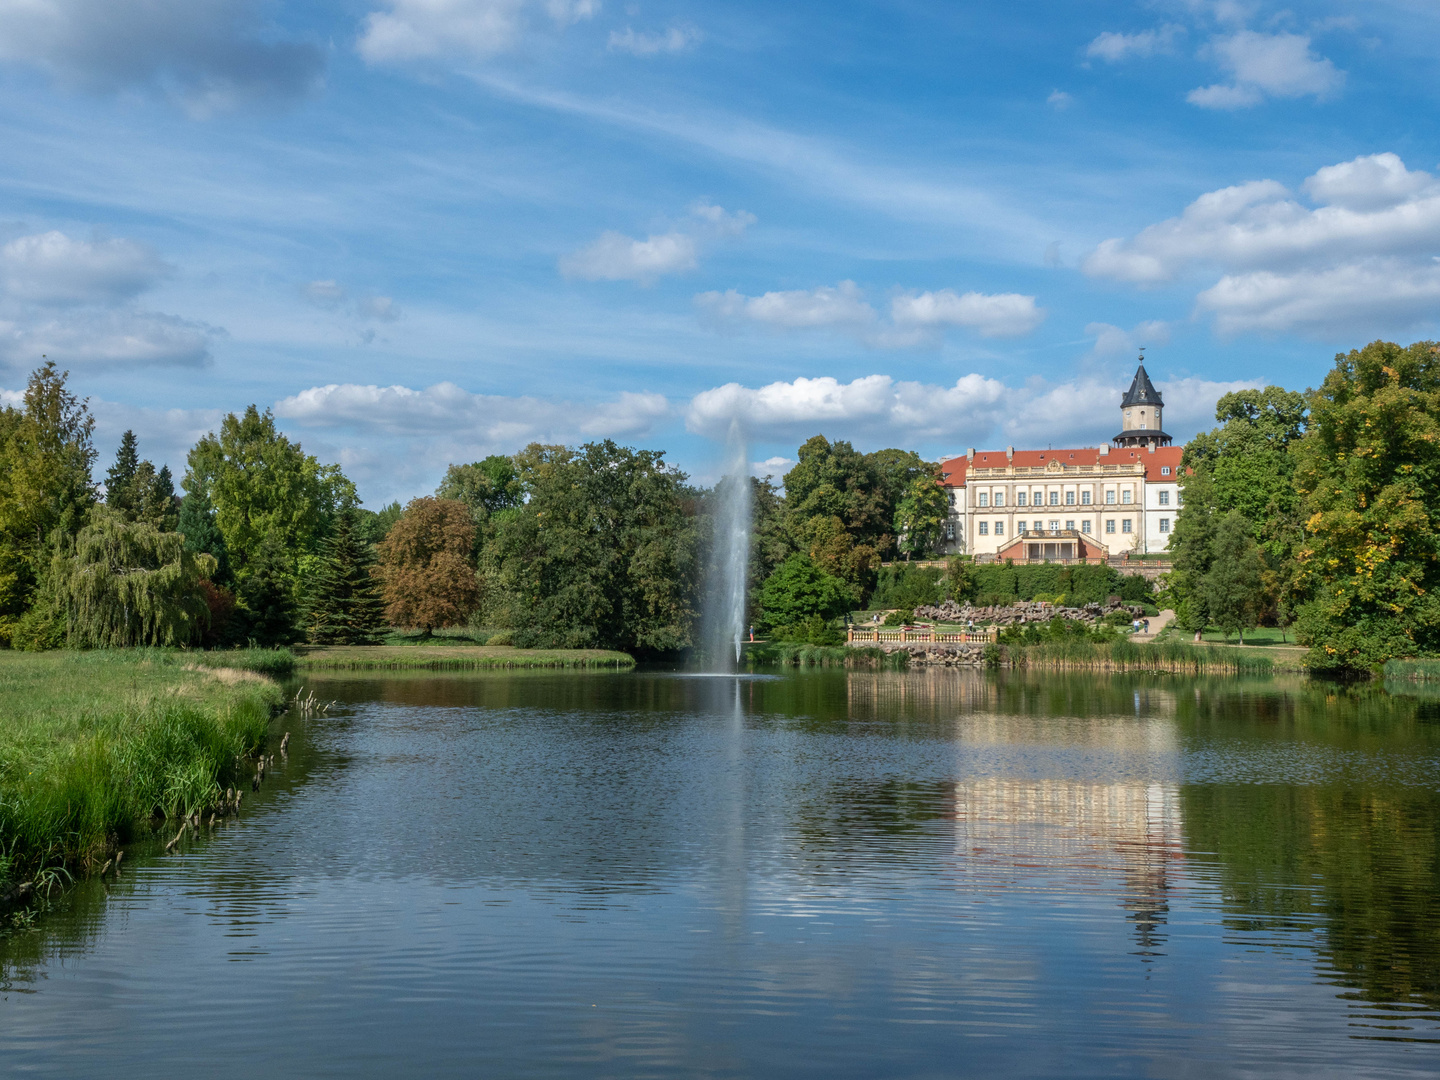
92	744
1170	656
439	657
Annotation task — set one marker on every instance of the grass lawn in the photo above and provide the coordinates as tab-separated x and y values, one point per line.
94	743
438	656
1261	635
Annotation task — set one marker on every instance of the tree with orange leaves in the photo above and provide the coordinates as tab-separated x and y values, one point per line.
425	572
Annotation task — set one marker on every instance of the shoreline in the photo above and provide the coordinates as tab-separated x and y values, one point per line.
453	657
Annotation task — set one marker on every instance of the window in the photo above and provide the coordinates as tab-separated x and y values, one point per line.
1109	498
1019	498
1054	498
1037	499
984	528
1085	526
1020	526
949	530
1054	526
999	528
999	498
1084	498
1125	525
1164	470
954	496
1180	499
984	498
1164	525
1069	498
1164	498
1109	525
1125	496
1070	525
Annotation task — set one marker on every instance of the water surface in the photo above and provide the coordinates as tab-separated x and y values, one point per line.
825	874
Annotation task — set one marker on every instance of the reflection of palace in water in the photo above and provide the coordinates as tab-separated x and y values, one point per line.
1012	831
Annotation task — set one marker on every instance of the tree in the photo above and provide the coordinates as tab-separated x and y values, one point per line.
344	605
603	553
425	570
1368	472
834	550
129	583
266	615
835	480
487	487
260	483
799	590
1233	587
46	453
196	524
921	514
119	475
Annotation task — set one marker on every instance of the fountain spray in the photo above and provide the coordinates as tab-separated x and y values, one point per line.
724	615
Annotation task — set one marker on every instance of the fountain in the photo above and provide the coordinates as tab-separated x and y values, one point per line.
723	617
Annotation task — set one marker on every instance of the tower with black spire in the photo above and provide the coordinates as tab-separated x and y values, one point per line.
1140	410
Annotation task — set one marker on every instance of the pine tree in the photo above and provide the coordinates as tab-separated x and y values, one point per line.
269	608
344	606
121	475
197	523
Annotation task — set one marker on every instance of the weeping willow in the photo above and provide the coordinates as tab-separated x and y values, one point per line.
129	583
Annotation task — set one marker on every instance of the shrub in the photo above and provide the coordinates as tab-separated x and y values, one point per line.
811	631
504	637
903	617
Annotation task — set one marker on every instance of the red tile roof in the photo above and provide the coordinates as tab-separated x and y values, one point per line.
954	469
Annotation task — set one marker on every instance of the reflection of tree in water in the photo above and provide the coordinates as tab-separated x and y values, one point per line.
1360	865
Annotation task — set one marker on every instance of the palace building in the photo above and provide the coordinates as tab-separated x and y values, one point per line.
1082	505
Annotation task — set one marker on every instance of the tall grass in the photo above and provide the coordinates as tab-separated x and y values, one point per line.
792	655
440	658
1172	656
92	744
1413	670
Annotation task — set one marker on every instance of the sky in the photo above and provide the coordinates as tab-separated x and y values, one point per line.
423	231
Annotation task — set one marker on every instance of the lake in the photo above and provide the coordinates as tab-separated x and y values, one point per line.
818	873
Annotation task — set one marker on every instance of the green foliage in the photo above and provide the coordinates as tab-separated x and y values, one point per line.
921	514
343	606
267	604
798	590
486	487
603	554
128	583
136	491
959	584
1368	471
202	536
1081	584
901	617
373	526
902	586
46	454
812	631
1057	629
1233	588
261	485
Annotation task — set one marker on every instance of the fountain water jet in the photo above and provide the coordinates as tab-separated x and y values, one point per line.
723	618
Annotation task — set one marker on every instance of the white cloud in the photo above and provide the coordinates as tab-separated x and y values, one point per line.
326	294
771	467
1059	100
1114	47
209	56
976	410
456	29
68	299
617	257
1375	231
1261	65
104	339
379	308
1000	315
490	419
675	39
915	318
330	295
52	268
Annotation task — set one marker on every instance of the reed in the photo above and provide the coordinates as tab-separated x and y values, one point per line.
1413	670
442	658
1169	656
793	655
94	743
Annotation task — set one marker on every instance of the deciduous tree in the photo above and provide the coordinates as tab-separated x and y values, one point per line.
426	573
799	590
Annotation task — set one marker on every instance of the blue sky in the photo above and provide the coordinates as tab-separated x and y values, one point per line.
426	230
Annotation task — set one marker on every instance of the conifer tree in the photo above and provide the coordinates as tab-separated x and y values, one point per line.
197	523
344	606
269	608
120	476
